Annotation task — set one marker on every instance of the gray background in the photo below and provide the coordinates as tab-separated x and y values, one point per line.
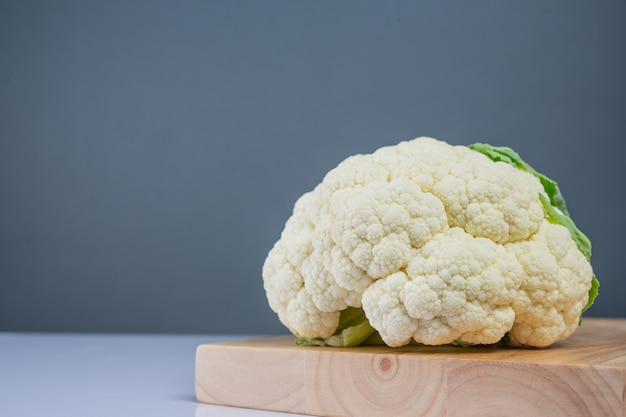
151	151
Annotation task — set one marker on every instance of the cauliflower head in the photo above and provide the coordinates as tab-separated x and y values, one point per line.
431	243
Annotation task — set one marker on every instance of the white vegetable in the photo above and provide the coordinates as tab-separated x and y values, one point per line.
435	243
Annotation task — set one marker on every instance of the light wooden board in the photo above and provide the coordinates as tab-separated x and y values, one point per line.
582	376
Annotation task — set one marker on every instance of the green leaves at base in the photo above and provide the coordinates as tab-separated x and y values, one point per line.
353	330
553	205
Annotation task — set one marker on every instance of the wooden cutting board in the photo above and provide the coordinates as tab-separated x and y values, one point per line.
582	376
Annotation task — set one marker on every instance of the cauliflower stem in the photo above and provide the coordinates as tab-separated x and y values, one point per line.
353	330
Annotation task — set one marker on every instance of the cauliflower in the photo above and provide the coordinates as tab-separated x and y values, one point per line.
424	242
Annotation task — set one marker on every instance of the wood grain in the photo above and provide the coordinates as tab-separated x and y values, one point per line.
582	376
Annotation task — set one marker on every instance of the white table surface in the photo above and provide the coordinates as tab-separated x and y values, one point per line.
105	375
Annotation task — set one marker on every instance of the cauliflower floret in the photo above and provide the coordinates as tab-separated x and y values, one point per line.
320	269
284	280
492	200
554	288
435	243
309	320
425	161
378	224
386	311
458	287
283	265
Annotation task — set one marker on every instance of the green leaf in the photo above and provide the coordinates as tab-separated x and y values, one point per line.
310	341
553	215
593	292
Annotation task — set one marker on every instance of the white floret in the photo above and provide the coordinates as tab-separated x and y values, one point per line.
386	312
459	288
492	200
378	224
425	161
307	320
557	279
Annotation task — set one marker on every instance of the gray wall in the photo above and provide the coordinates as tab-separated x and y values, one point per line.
150	151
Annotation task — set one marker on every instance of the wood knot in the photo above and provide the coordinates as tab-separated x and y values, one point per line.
385	364
385	367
